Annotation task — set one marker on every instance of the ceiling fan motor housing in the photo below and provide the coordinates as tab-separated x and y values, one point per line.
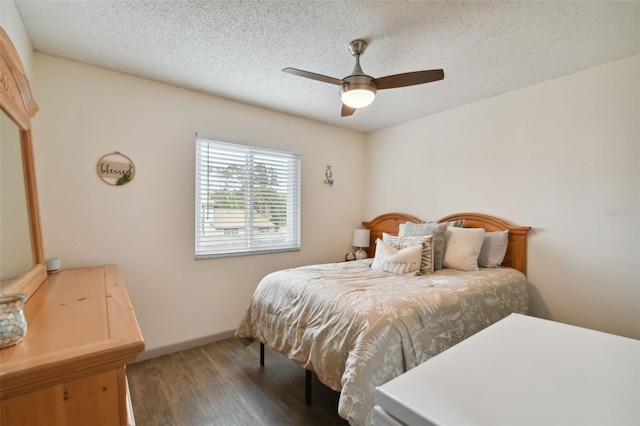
358	82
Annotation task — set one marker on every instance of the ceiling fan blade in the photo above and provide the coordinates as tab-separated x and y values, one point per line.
347	111
313	76
408	79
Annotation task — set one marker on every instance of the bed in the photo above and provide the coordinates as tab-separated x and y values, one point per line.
357	327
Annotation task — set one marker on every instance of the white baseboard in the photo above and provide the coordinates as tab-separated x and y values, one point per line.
166	350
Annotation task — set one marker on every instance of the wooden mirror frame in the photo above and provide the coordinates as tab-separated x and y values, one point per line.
17	102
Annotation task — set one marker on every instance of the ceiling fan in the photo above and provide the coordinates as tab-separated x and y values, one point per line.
358	89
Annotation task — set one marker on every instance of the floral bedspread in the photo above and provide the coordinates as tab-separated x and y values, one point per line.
358	328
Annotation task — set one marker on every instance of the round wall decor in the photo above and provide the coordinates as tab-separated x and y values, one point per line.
116	169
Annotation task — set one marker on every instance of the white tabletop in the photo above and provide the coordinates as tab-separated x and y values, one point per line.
522	371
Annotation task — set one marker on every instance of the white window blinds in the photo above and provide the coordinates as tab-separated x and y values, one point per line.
247	199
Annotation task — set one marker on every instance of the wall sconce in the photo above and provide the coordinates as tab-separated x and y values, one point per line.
329	176
361	238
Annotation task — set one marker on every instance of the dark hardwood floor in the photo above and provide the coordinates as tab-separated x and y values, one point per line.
223	383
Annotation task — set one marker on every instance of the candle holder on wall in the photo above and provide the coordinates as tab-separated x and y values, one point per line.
328	176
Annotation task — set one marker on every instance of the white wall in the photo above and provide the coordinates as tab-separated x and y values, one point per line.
562	157
147	226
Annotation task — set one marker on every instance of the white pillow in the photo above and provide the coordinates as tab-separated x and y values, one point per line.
426	264
397	261
494	247
462	247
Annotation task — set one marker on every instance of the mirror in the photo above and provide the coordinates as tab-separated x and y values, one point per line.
21	252
15	239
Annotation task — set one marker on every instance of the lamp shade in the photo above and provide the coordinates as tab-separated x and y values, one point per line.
357	98
358	90
361	237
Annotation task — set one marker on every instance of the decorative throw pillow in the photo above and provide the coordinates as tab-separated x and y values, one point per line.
456	223
397	261
462	247
494	247
435	229
426	241
392	240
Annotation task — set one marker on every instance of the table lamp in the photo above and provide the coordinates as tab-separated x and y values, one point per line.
361	239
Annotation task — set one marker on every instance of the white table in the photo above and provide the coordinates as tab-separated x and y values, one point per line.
520	371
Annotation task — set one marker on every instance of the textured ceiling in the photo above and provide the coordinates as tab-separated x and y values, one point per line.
237	49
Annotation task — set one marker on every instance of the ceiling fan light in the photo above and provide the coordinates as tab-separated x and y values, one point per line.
357	98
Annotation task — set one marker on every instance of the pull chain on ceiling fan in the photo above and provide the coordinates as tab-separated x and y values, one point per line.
358	89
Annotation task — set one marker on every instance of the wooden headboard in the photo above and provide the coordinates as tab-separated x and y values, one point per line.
516	256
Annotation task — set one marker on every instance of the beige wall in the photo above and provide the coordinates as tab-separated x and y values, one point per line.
563	157
147	226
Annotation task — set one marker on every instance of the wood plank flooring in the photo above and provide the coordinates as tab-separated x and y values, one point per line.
223	383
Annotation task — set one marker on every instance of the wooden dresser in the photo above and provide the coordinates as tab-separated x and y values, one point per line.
71	367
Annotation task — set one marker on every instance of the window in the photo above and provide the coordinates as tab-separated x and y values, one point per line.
247	199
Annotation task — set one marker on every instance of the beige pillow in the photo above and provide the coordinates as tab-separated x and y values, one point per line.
462	247
397	261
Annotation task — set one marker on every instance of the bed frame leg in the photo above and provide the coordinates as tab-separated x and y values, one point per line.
307	380
307	387
262	354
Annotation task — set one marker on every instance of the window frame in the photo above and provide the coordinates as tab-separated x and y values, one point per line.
249	237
